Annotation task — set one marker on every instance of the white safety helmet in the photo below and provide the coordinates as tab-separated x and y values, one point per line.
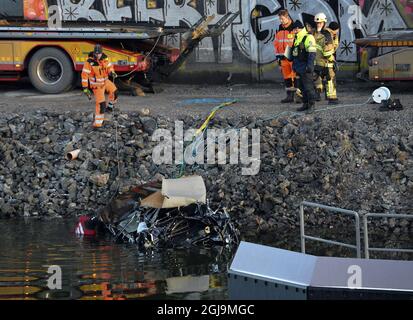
320	17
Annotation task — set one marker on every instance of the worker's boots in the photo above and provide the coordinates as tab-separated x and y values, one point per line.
110	107
333	101
289	98
99	115
307	106
109	111
98	122
318	93
298	96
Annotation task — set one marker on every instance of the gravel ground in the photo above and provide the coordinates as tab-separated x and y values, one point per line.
255	100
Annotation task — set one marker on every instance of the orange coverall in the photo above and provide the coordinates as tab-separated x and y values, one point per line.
95	74
283	38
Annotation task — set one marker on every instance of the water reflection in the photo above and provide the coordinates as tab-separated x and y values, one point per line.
100	269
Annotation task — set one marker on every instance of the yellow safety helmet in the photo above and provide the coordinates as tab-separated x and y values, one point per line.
320	17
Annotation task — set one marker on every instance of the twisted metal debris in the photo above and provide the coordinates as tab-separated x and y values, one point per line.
128	218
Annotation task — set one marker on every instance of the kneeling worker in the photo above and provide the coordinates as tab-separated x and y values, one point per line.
95	75
303	55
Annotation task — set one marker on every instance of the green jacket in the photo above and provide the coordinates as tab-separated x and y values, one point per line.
304	52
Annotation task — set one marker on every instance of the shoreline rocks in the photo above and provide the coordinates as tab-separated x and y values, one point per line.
364	165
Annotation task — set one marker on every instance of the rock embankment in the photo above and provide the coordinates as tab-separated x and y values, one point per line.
363	164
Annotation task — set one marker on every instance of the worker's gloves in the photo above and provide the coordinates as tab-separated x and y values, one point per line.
113	75
87	92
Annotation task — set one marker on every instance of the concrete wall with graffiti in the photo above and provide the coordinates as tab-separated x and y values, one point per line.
247	45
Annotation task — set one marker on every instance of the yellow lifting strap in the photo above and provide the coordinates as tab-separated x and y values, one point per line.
212	115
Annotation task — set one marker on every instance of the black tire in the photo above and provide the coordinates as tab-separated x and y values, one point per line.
51	71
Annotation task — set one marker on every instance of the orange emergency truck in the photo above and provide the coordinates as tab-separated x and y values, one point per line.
53	57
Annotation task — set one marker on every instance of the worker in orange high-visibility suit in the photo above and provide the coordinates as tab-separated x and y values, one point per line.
95	75
283	38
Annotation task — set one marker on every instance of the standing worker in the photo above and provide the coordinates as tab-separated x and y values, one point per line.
304	54
325	60
95	75
334	29
285	38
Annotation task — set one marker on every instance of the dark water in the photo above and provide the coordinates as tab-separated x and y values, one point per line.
101	269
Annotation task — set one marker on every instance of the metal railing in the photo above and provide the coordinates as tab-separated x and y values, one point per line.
304	237
367	248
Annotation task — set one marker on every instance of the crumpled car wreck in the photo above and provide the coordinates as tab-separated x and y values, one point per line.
173	213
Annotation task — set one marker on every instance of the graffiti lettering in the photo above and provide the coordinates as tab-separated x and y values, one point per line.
252	33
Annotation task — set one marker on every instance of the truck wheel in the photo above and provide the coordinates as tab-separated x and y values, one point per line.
51	71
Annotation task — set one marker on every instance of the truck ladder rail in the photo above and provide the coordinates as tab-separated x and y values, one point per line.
72	33
97	31
76	35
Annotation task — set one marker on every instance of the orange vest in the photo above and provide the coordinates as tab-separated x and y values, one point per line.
96	72
283	38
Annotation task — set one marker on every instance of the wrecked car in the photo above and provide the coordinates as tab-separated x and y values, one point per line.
174	213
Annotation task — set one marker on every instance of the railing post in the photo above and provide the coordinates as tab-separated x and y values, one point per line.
367	248
358	244
354	214
366	238
302	234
